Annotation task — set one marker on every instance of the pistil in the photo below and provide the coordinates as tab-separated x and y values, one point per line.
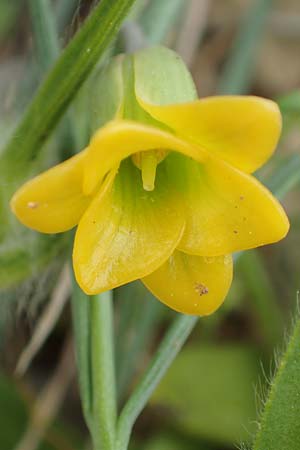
148	168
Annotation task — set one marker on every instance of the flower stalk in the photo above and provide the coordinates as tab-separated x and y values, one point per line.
103	372
170	346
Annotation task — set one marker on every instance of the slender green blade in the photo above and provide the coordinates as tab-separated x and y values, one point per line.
46	41
238	70
82	333
62	83
166	353
158	18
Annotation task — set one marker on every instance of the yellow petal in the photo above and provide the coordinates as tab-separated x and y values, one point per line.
226	210
126	233
242	130
53	201
120	139
192	284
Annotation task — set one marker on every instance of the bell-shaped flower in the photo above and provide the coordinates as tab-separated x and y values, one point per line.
164	191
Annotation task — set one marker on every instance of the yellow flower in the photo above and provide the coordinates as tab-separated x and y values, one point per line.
166	196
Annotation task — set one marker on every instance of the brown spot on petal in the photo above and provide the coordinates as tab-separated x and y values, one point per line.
201	289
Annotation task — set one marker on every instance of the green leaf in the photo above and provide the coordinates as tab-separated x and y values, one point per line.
217	382
280	424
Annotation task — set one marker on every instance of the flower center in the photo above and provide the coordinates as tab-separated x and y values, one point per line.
147	163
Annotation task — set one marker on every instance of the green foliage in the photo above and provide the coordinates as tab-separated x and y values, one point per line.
8	15
168	441
25	252
280	424
168	349
47	45
209	392
263	296
139	315
239	68
15	417
157	18
59	87
13	414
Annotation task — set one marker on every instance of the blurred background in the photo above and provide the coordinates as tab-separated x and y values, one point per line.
211	397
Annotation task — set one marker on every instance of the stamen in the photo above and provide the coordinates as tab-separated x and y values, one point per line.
148	168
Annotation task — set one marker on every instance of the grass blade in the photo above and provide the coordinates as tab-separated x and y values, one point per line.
62	83
238	70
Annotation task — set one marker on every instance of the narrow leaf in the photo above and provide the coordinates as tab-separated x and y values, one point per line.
63	81
238	71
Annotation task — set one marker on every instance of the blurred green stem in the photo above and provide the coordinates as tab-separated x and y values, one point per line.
145	323
48	48
263	296
238	71
44	27
164	356
59	87
158	18
103	372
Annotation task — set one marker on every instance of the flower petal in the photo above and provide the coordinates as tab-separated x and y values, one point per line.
127	233
192	284
53	201
242	130
226	210
122	138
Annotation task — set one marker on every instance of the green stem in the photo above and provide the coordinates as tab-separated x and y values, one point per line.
48	48
82	333
166	353
238	72
46	41
103	372
158	18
